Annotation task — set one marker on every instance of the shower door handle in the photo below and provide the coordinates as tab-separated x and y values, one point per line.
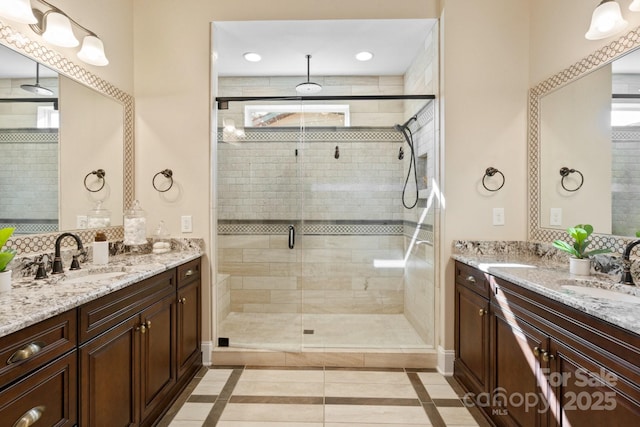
292	236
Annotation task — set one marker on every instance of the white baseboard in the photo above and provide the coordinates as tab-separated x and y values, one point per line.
445	361
207	348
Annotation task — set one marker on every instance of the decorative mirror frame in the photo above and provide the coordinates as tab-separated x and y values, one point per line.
9	37
615	49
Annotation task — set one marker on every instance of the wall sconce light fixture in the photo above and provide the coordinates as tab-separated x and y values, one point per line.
606	20
55	27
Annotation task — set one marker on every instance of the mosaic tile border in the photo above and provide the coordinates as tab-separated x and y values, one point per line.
28	136
406	228
625	134
602	56
368	135
311	227
54	60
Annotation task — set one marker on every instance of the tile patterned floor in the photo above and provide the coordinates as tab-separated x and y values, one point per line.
238	396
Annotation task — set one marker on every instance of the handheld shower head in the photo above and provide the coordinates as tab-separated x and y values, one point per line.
402	127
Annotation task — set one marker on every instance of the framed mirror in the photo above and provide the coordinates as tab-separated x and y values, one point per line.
96	132
577	127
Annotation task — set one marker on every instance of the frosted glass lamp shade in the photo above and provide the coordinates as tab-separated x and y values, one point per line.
58	30
635	6
18	10
606	21
92	51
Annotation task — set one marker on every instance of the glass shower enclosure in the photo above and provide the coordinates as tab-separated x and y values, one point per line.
316	249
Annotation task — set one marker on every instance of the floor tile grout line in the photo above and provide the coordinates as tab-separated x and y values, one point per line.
223	398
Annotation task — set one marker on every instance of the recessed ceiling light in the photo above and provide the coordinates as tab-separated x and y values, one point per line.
364	56
252	57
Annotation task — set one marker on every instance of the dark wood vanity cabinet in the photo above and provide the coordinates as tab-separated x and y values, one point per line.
472	328
189	319
39	374
132	371
548	364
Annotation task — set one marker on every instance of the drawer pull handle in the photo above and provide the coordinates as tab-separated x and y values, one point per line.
142	328
148	324
536	351
26	352
30	417
546	356
471	279
482	312
189	272
183	300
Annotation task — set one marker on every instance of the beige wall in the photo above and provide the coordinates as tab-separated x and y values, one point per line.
483	102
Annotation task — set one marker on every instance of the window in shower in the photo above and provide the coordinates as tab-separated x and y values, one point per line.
319	115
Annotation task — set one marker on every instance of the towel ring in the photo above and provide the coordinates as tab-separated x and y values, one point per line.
100	173
491	171
167	173
564	172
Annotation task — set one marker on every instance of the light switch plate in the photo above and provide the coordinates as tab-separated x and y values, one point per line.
498	216
186	225
555	216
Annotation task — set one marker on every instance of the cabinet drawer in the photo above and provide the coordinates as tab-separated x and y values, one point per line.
188	272
472	278
47	397
104	313
36	345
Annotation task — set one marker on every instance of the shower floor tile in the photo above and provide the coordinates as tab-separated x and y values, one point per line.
284	331
320	397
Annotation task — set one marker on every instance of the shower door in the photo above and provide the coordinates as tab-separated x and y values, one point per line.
259	303
316	250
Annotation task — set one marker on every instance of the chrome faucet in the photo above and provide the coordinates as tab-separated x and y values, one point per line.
57	259
626	278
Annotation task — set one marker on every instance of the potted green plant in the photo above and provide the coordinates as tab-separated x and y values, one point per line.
6	255
579	263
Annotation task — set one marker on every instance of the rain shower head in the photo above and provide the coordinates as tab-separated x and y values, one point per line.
308	87
36	88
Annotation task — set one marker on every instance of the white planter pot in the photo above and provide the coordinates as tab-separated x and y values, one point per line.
580	267
5	281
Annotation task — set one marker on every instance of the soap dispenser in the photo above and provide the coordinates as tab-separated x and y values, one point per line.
100	249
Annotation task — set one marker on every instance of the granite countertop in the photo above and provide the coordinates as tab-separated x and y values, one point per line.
30	301
551	278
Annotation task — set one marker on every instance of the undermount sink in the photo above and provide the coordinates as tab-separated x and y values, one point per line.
93	277
602	293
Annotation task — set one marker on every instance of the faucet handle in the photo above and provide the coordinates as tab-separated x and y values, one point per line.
75	265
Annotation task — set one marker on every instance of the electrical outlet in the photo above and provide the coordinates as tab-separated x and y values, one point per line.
555	216
186	226
498	216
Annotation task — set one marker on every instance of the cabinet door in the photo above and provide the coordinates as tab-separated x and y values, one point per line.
47	397
516	398
587	393
472	339
158	354
189	308
110	368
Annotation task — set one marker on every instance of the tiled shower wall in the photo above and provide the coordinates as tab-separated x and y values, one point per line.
625	181
351	209
29	180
